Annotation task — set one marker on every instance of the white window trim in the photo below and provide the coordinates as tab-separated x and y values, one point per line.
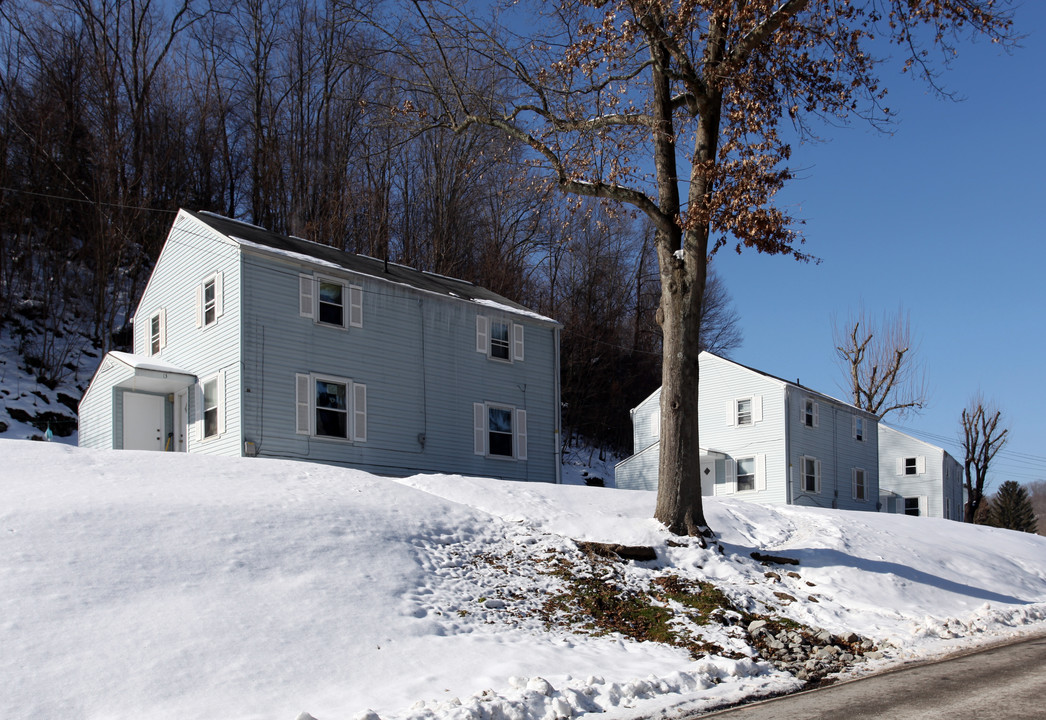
305	407
853	484
732	410
219	302
802	475
485	339
920	465
859	421
815	413
759	484
481	435
161	317
199	419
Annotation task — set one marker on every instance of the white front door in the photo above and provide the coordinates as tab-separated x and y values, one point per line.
142	421
707	475
181	421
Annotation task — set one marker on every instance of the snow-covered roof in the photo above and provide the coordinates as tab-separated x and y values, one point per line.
144	362
252	236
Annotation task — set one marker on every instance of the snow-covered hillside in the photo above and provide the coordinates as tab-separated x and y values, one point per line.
146	585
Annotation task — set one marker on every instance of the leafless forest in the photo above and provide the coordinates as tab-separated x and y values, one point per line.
114	113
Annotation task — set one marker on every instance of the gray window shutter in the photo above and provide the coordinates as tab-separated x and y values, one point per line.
359	412
760	471
817	473
479	427
900	466
731	477
816	412
482	333
355	306
306	295
521	434
920	465
731	413
302	398
517	341
757	408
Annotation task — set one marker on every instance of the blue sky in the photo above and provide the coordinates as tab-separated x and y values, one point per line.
943	216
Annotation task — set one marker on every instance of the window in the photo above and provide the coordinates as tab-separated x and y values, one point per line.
499	345
209	305
330	407
500	431
330	301
810	411
860	492
499	339
210	406
810	474
911	465
858	429
744	416
745	474
158	332
911	506
743	412
331	305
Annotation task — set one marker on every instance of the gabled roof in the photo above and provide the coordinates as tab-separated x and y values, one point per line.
251	235
789	383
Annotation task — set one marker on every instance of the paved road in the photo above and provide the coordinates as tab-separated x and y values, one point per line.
1003	683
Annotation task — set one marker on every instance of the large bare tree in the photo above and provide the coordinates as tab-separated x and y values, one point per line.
880	363
983	436
674	108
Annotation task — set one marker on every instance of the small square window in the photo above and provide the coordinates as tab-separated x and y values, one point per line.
745	474
911	466
744	412
911	506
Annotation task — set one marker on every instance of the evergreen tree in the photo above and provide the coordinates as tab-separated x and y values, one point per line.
1011	508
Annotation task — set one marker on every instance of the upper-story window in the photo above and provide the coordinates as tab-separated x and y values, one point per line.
158	332
330	301
744	411
499	339
858	428
209	303
810	413
911	466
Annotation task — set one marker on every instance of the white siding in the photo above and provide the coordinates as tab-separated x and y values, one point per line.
933	464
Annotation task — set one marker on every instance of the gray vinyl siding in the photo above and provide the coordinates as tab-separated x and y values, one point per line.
97	416
416	355
646	422
932	484
192	253
833	444
638	472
